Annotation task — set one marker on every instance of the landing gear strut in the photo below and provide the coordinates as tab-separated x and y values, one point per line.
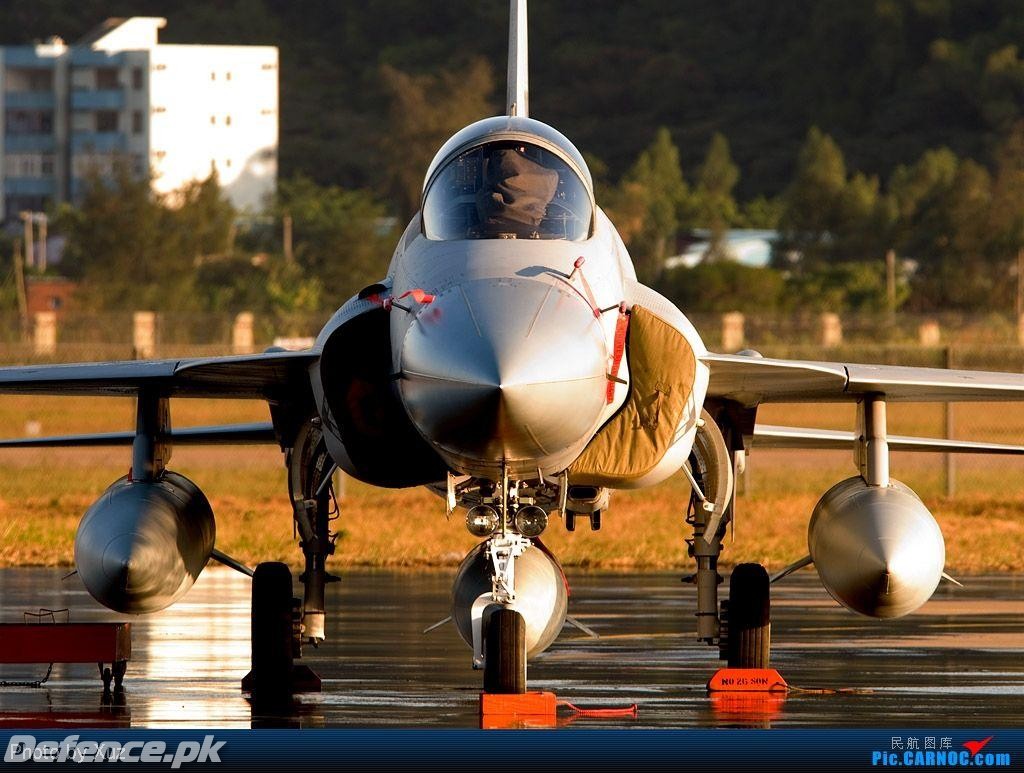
741	627
310	487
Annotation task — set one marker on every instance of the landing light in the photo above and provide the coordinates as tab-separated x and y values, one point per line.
482	520
530	521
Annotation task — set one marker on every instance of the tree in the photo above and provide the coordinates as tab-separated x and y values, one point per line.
958	271
425	110
713	202
1007	214
202	220
918	193
651	204
342	238
127	245
812	202
828	217
724	286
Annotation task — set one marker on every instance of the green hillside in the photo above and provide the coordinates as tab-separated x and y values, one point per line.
888	79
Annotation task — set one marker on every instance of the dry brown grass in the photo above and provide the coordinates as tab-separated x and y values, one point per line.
43	494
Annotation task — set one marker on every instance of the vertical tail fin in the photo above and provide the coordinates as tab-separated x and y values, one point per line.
518	59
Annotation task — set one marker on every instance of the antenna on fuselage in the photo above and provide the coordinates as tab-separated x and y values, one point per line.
518	100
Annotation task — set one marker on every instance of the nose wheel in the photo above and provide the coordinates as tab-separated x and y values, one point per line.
746	630
505	652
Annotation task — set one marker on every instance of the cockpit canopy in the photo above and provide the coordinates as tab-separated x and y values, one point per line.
507	190
508	178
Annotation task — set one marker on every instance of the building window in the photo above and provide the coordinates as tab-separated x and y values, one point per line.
227	163
27	165
160	66
29	122
106	78
228	76
213	76
106	120
227	120
137	83
47	165
28	79
137	127
213	120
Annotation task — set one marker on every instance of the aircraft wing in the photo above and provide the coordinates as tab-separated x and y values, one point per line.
752	380
259	376
772	436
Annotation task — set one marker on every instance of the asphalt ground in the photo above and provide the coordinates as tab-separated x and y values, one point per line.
959	661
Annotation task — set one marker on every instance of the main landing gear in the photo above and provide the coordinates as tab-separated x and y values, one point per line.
741	625
281	622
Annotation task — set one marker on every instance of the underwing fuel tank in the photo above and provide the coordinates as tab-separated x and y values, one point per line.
877	549
142	545
541	595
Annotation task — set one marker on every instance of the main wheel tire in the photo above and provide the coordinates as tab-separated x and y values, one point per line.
505	652
272	627
749	626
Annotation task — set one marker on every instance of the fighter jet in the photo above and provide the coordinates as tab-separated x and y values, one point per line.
511	362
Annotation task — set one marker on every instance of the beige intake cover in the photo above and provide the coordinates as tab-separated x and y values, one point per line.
662	369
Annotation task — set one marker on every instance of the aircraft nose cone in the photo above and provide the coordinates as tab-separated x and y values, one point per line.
510	369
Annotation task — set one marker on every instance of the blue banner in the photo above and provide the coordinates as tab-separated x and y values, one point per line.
624	751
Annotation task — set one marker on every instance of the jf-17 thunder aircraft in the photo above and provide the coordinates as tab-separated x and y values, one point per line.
511	362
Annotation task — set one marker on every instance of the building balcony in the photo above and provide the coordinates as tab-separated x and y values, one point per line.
88	57
26	56
27	143
105	99
35	100
97	141
29	186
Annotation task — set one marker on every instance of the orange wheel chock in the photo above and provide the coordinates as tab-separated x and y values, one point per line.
527	704
518	711
747	680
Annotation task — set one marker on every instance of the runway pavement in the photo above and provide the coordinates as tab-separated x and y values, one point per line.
957	662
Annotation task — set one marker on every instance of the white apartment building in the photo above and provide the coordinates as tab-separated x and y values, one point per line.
178	111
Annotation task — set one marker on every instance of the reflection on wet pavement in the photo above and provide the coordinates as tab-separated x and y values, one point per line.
958	662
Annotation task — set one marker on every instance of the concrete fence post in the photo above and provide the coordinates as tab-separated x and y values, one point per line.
929	333
732	331
242	341
831	329
144	334
44	336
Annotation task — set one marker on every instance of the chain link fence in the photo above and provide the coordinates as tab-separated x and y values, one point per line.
258	472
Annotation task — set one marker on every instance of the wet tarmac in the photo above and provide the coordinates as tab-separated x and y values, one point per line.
957	662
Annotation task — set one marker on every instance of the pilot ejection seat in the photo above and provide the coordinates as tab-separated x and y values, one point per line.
515	194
